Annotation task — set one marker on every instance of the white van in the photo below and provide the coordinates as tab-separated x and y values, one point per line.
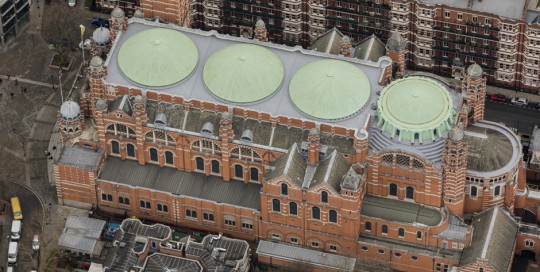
13	250
16	226
10	269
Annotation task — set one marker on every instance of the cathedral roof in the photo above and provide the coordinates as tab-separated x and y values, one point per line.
101	36
399	210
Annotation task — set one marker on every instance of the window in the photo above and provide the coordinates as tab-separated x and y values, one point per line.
324	197
393	189
230	222
314	244
153	154
333	248
481	270
384	229
397	254
284	189
294	240
497	191
447	14
130	150
401	232
380	251
145	204
239	171
474	191
276	205
254	174
169	157
460	16
162	208
115	147
418	235
191	213
367	226
316	213
364	248
247	225
123	200
409	192
442	267
475	19
208	217
106	197
414	258
293	208
215	167
332	216
199	163
529	243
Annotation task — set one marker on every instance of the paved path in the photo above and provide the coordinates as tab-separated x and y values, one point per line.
24	80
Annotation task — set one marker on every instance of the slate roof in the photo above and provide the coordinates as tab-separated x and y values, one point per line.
410	247
235	251
123	103
291	165
157	231
262	131
371	48
456	230
399	211
196	119
160	262
81	234
181	183
81	157
305	256
174	113
494	234
488	149
328	42
331	170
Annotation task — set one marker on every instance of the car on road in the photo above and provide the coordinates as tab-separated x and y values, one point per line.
520	101
537	106
35	243
498	97
71	3
99	22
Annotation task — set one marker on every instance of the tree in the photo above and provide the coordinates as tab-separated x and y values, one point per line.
60	28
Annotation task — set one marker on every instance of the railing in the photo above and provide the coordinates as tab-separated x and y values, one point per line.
483	26
461	32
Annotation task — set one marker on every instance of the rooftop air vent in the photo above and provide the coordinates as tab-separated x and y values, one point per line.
161	119
247	136
207	128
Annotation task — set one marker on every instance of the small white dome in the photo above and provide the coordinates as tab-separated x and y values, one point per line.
101	104
101	36
70	110
117	13
138	14
96	61
474	70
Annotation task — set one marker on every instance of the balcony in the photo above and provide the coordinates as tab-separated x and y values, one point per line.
367	4
476	24
243	11
463	33
476	45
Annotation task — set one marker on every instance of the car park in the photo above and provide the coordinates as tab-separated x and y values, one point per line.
498	97
520	101
99	22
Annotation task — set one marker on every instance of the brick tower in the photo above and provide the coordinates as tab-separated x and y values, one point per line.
118	22
96	73
314	146
70	120
474	87
346	47
260	31
454	164
395	49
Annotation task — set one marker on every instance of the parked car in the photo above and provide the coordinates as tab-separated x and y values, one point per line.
498	97
35	243
71	3
85	45
99	22
537	106
520	101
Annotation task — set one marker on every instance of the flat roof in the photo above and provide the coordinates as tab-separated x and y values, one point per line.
510	9
159	262
208	43
80	156
81	234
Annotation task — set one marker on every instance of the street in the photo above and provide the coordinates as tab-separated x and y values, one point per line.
521	118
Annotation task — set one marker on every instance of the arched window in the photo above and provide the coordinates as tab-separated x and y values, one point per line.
384	229
409	192
481	270
153	154
393	189
332	216
215	167
367	226
474	191
324	197
497	190
276	205
239	171
401	232
199	163
284	189
169	157
115	147
254	174
293	208
130	150
316	213
418	235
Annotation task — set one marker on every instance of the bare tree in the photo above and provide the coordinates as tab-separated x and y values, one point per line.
59	29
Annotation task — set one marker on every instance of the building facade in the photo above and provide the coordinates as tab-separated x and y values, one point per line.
14	15
307	149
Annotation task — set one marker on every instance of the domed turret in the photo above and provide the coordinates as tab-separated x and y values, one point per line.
395	42
96	62
474	71
101	104
139	14
70	120
70	110
117	13
101	36
455	134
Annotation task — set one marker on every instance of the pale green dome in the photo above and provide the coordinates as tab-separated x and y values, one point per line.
415	109
329	89
243	73
157	57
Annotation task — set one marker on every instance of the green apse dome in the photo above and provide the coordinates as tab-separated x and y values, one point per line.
415	109
329	89
243	73
157	57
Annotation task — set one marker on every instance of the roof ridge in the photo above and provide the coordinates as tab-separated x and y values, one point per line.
330	166
289	159
490	233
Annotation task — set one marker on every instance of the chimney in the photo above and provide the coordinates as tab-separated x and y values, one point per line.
314	145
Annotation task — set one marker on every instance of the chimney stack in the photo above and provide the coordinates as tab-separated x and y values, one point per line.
314	146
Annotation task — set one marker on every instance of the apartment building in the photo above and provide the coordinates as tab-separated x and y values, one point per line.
14	15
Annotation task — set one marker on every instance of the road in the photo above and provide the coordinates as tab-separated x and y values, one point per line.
521	118
33	216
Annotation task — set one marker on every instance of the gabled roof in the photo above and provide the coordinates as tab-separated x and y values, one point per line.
291	165
331	171
328	42
122	103
494	234
371	48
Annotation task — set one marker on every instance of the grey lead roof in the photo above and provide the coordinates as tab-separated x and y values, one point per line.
494	233
512	9
81	157
456	230
305	256
235	250
157	231
328	42
399	211
411	248
170	180
81	234
158	262
370	49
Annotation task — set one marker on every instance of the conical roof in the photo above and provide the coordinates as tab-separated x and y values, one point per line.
455	134
70	110
157	57
329	89
474	70
243	73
